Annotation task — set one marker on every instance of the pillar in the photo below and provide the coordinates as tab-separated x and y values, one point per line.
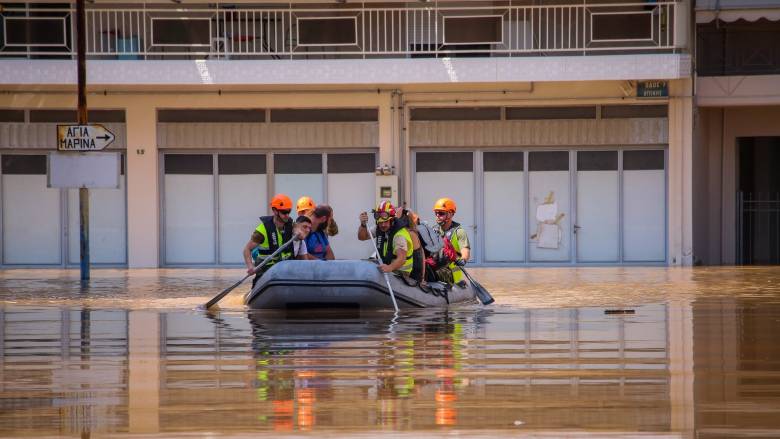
681	362
680	169
143	205
143	370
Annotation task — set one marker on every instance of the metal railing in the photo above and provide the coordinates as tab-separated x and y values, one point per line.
758	228
421	30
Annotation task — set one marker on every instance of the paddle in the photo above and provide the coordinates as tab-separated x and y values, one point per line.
482	293
262	263
387	278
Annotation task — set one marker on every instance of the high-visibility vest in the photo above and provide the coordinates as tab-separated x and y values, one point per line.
384	244
451	234
273	242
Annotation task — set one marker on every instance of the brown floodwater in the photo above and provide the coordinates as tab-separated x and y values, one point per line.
574	352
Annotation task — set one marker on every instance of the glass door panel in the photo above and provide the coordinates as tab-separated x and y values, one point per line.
549	206
189	209
351	185
644	206
243	198
296	175
504	203
446	174
597	229
31	230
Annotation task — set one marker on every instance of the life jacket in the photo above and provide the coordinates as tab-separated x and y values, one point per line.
386	250
273	242
450	236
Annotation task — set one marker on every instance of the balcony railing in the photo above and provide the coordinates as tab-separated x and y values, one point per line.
421	30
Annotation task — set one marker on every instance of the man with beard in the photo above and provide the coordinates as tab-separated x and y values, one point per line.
393	240
272	232
445	209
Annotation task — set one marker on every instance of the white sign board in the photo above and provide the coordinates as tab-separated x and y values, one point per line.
89	170
92	137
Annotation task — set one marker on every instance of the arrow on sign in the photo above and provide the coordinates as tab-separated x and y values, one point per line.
91	137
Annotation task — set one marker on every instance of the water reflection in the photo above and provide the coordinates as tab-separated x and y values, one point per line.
692	365
68	371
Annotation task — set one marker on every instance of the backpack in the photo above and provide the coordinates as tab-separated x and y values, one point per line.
432	242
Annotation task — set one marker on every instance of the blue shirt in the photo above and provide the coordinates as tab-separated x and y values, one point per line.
317	244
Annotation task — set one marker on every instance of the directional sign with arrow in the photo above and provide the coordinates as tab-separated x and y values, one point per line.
91	137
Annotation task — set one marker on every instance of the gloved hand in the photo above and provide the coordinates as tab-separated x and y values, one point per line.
460	262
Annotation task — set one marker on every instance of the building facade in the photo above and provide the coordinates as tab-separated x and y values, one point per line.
737	134
563	130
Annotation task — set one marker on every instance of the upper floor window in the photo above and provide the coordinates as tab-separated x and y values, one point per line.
738	48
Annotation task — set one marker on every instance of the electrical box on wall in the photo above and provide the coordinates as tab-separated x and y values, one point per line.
387	188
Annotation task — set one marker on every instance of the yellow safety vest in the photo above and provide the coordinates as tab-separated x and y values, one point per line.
387	250
457	273
273	242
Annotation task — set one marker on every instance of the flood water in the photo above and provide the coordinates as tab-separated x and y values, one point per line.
598	352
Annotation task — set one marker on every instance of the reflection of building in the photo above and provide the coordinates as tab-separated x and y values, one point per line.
736	183
495	104
736	358
577	369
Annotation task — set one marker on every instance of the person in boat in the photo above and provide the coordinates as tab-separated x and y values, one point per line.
272	232
392	240
317	242
306	205
445	209
301	230
410	220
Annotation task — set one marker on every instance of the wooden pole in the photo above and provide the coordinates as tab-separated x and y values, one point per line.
81	52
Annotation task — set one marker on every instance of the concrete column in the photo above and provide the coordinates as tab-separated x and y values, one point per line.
681	362
680	170
143	206
387	128
143	369
389	151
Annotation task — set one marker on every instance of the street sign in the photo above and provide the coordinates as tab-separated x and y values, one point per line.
91	137
652	89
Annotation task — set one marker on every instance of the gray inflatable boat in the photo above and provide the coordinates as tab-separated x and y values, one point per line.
294	284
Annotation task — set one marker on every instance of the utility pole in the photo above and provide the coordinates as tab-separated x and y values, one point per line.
81	55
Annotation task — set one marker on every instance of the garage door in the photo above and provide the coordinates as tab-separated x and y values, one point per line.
32	227
189	209
446	174
351	183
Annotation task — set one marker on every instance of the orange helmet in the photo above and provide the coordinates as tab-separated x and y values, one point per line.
304	203
446	205
281	202
385	211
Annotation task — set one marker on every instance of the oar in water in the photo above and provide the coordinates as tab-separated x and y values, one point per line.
262	263
482	293
387	278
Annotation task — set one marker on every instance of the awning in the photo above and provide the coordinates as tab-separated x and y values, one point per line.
733	10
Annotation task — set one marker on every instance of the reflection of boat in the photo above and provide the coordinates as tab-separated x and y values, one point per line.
344	284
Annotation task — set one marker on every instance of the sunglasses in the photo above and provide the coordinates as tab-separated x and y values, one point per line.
440	213
284	212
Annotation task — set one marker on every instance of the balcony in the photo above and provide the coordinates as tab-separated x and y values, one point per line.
421	29
343	44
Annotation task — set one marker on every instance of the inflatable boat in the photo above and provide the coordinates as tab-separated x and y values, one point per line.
295	284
